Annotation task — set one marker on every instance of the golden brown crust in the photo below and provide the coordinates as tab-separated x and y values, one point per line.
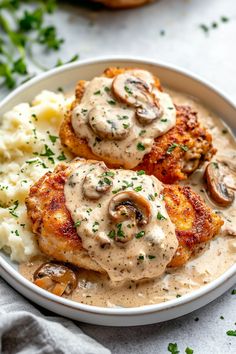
195	222
52	222
57	237
167	164
168	158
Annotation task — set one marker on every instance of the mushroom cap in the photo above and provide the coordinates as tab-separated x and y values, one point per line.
220	193
129	204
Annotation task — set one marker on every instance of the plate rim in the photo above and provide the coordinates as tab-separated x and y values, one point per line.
110	311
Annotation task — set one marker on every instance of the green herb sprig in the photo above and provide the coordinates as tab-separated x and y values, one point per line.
22	27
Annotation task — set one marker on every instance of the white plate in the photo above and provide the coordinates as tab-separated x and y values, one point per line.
179	80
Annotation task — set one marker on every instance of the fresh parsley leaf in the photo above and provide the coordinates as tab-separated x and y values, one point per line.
140	147
173	348
19	66
140	234
160	216
61	157
48	37
171	148
53	138
141	172
231	332
188	350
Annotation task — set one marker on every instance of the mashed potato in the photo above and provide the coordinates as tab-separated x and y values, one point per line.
29	147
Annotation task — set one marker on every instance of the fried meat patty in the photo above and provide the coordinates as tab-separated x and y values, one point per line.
57	237
174	155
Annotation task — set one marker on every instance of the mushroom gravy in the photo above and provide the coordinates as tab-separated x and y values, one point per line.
207	264
121	218
134	113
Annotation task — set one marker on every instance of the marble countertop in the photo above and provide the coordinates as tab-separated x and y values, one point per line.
166	30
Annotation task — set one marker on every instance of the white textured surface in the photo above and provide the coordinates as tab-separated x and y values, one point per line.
212	56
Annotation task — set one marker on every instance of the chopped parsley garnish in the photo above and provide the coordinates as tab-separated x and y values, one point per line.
120	233
164	120
151	197
173	348
171	148
122	117
95	226
224	131
140	234
77	223
233	292
224	19
17	233
141	172
142	132
222	317
61	157
128	90
13	208
150	256
231	332
97	92
48	152
109	173
116	190
106	88
204	28
140	147
107	181
126	126
178	295
140	257
138	188
34	116
188	350
160	216
111	234
53	138
184	147
112	102
215	164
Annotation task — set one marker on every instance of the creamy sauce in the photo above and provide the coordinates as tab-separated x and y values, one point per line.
207	264
119	137
124	244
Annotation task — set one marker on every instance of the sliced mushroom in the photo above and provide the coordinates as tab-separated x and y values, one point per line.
56	278
215	174
129	210
136	92
98	181
106	122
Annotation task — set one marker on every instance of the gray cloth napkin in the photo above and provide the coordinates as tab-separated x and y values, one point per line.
25	330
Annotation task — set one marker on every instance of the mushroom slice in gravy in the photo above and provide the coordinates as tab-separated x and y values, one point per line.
121	230
56	278
98	181
221	182
136	92
106	123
